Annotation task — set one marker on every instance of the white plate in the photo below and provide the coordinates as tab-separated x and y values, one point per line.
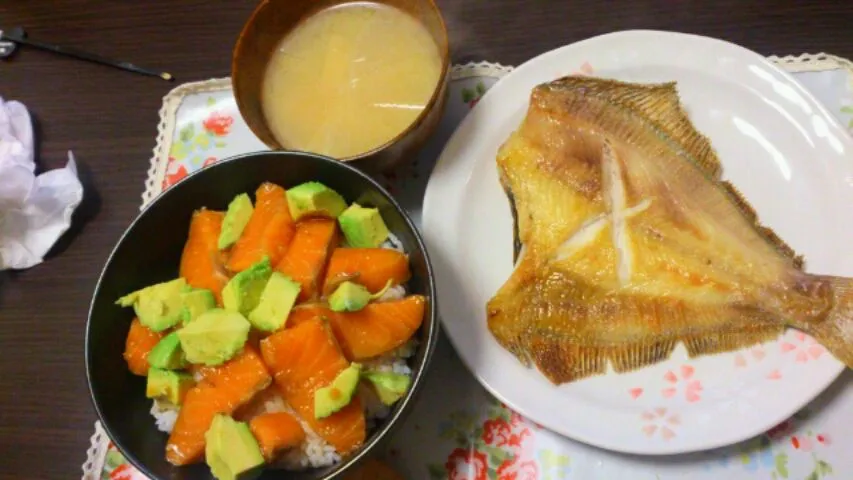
781	148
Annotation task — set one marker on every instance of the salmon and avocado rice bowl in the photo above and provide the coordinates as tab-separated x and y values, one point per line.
284	339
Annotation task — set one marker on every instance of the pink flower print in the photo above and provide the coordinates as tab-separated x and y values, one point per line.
803	347
499	433
521	443
517	469
218	124
463	464
658	422
803	443
126	472
515	419
173	175
496	432
208	161
809	442
692	387
635	392
754	355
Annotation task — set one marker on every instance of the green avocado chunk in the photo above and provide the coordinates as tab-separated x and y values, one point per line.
236	217
243	292
314	199
349	297
389	386
330	399
167	354
352	297
158	306
196	302
167	385
230	450
363	227
214	337
277	300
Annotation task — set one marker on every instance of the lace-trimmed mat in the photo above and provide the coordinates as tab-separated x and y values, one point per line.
473	436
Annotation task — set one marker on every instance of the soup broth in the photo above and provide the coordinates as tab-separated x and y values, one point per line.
349	79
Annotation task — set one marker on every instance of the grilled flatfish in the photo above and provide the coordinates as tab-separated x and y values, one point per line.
627	241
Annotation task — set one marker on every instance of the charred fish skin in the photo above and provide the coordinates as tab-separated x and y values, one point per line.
633	243
516	240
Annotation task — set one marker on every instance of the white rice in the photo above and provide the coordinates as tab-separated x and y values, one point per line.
165	414
393	243
314	451
394	293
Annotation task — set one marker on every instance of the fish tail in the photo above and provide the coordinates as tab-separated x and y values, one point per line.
834	330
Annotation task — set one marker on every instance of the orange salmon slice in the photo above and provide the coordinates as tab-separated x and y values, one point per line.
268	232
276	432
201	404
202	264
376	329
306	257
222	389
303	359
371	267
241	377
140	340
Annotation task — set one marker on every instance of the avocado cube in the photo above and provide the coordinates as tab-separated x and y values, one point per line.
236	217
158	307
389	386
167	354
196	302
363	227
314	199
168	385
214	337
349	297
332	398
243	292
277	299
231	451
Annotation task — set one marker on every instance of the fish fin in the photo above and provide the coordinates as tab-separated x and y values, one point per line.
562	360
718	342
632	357
835	329
767	233
660	105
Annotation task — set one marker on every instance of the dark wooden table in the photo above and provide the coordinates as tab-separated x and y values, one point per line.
108	118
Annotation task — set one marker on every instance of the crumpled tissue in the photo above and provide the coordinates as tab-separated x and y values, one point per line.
35	210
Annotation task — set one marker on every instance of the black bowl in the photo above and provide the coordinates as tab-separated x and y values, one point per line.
149	252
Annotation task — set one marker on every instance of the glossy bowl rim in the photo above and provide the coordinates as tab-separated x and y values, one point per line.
398	415
433	102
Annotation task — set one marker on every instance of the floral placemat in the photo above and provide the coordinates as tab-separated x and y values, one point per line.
457	430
